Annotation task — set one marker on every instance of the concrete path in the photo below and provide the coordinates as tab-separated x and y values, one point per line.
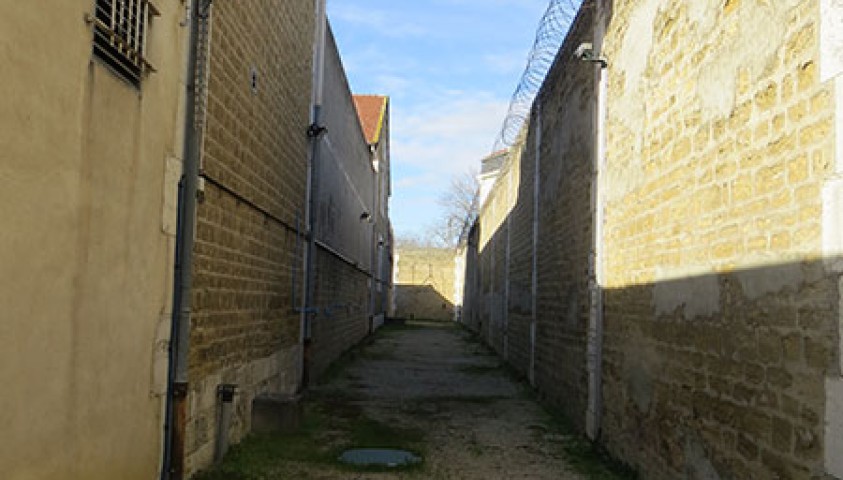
477	422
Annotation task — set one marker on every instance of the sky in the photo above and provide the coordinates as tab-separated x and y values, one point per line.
449	68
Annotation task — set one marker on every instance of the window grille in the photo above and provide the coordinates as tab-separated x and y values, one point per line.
120	28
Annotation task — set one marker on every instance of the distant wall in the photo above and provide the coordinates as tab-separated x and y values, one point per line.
424	283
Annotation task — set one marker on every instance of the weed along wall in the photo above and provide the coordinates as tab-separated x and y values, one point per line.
693	180
424	283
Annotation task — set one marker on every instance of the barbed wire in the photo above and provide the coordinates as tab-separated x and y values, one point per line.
550	35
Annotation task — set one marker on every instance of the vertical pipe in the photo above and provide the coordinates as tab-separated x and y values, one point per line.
490	301
176	421
594	360
536	197
312	188
373	239
506	286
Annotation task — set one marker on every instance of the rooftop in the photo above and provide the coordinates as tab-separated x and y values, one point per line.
371	109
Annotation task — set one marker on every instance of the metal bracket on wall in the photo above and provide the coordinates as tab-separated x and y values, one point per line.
315	130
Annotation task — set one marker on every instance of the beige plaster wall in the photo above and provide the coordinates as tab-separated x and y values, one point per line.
88	167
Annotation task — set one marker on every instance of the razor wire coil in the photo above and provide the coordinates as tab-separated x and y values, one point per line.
551	33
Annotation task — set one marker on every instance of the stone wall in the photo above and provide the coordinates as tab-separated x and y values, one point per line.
720	315
424	283
718	241
535	238
247	271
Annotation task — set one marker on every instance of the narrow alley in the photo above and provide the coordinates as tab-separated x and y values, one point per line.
430	388
327	239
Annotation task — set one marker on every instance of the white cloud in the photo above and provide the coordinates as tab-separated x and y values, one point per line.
394	85
522	4
510	63
413	181
450	136
382	22
446	136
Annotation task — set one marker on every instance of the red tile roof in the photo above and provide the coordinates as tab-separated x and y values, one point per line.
371	110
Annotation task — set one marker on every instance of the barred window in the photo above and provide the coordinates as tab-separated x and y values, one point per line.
120	29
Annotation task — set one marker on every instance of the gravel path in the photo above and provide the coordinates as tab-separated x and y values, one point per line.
478	423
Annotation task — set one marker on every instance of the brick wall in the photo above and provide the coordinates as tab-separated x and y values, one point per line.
247	255
498	300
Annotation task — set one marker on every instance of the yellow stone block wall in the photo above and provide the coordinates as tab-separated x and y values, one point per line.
720	314
721	302
719	186
248	254
424	283
490	317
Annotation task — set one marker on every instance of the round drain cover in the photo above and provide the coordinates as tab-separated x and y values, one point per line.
379	456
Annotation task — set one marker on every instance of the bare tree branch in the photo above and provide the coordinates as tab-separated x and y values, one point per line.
459	203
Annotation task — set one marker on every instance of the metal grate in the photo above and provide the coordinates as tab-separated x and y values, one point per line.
120	35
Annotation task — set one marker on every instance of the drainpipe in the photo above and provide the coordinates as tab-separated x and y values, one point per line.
506	288
594	360
373	241
536	198
176	411
314	132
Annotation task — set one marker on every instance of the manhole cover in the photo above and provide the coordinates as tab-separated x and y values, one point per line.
379	456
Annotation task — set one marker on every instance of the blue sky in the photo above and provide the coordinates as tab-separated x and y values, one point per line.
450	67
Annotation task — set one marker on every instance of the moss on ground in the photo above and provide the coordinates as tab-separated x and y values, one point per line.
334	421
330	426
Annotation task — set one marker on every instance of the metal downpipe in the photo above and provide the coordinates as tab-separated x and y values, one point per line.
314	132
594	359
176	411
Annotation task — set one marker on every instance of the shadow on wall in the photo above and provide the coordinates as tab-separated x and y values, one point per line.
722	373
712	375
422	302
719	359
